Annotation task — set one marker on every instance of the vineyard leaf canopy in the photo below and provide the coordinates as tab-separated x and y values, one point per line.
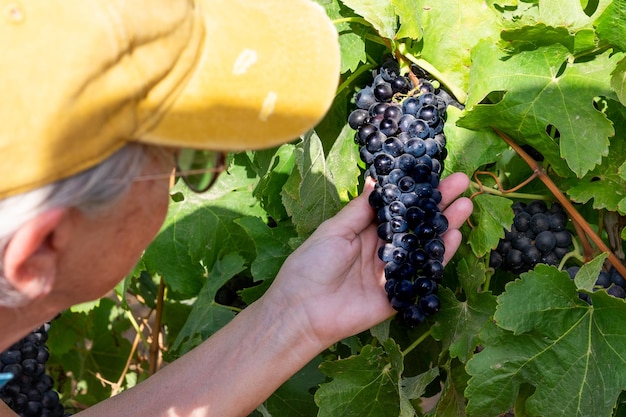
554	341
543	88
199	228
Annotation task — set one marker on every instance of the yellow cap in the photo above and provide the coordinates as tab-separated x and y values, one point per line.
81	78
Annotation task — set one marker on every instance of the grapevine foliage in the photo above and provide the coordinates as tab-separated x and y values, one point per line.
543	116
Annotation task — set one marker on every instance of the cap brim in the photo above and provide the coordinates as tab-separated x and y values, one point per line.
268	72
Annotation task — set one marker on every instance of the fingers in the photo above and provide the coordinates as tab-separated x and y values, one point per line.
451	240
458	212
451	187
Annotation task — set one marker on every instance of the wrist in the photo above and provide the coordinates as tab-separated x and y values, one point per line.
291	325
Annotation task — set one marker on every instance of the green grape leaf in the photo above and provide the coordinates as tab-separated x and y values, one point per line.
273	180
466	23
604	184
365	385
542	88
352	51
310	195
547	337
413	388
493	214
467	149
351	44
611	25
458	322
206	316
587	276
343	162
271	244
410	23
379	13
570	13
452	400
618	81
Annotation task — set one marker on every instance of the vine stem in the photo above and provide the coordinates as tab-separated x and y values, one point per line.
416	342
154	345
524	196
576	217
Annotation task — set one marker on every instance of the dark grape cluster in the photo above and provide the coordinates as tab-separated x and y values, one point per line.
611	281
30	393
399	130
538	235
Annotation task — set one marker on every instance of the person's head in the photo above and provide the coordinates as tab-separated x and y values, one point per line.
99	96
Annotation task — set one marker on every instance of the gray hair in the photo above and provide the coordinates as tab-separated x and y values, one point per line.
89	191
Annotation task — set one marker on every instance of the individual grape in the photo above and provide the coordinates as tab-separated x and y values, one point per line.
357	118
425	286
383	92
364	131
429	304
374	142
522	221
401	140
388	127
365	98
539	222
545	241
563	238
383	163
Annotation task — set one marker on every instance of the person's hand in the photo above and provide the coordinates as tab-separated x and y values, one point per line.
335	279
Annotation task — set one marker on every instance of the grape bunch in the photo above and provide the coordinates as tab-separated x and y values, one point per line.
30	393
399	130
538	235
611	281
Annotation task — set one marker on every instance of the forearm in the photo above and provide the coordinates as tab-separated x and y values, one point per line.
230	374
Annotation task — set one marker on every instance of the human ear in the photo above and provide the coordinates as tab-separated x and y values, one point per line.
30	258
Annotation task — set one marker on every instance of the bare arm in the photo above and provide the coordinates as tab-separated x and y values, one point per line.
328	289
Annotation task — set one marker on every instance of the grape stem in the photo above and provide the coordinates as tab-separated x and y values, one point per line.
501	191
576	217
417	342
488	190
458	94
